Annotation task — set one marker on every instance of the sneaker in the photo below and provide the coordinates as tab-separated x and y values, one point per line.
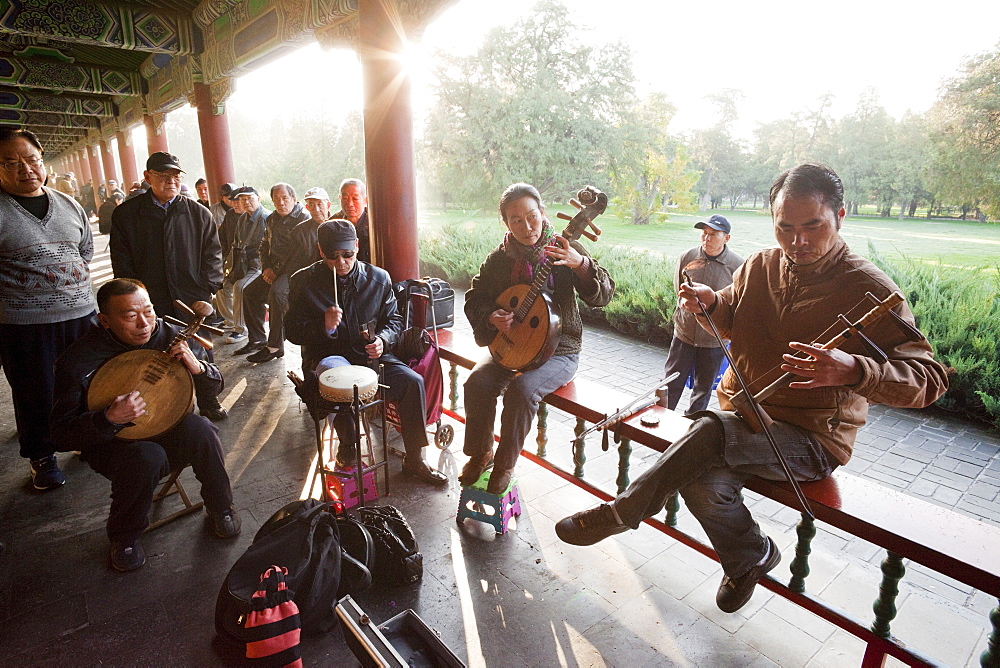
45	473
475	467
734	593
233	337
128	556
589	526
213	410
226	524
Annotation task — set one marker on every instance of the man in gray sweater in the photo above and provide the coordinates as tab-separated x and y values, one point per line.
45	298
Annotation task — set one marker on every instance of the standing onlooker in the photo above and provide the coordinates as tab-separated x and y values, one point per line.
170	243
201	187
247	238
271	287
304	249
106	211
694	350
354	207
45	297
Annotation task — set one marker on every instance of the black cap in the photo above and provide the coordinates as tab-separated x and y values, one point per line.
226	190
245	190
337	235
716	222
160	162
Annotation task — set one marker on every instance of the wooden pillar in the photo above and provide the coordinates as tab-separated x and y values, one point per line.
84	163
126	156
216	149
108	162
392	210
95	170
156	133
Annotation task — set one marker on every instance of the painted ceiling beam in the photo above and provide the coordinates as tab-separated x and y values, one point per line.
135	28
56	76
73	105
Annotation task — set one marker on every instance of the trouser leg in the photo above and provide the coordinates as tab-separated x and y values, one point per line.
680	358
706	367
254	307
134	469
406	390
196	441
277	298
28	353
520	404
223	301
487	380
239	317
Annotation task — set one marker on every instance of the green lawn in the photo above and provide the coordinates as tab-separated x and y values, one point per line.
949	243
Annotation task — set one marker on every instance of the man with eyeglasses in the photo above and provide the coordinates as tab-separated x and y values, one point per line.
45	298
331	325
170	243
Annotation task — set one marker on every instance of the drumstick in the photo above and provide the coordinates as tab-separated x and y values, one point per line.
336	301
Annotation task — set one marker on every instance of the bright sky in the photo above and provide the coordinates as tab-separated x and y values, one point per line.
782	54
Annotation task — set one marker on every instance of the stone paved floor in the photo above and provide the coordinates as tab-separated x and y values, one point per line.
520	599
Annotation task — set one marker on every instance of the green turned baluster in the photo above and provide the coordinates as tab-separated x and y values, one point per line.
453	377
579	456
672	505
624	452
885	605
806	531
990	658
543	423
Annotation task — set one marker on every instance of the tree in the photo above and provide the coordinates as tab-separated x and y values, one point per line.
862	141
965	136
717	154
652	168
537	103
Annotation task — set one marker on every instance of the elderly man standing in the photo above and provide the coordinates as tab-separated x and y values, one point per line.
271	287
354	207
247	238
779	298
693	350
305	238
170	243
45	298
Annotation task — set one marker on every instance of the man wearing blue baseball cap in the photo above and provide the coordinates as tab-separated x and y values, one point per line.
694	351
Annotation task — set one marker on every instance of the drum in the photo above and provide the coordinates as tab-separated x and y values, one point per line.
337	385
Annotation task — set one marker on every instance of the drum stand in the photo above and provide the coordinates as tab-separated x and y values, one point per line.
356	409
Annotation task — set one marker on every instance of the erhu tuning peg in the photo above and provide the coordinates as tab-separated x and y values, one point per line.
911	332
575	202
563	216
589	235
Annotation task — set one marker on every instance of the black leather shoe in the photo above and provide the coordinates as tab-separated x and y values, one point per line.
265	355
226	524
589	526
251	347
734	593
213	411
127	557
425	473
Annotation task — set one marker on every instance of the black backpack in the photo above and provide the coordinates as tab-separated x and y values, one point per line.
306	538
397	557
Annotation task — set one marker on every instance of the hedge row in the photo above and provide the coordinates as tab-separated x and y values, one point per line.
958	310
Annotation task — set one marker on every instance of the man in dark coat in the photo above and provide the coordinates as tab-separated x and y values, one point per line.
170	243
127	322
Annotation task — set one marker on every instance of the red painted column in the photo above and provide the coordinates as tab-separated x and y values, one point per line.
156	133
392	208
108	162
81	160
96	172
126	156
216	149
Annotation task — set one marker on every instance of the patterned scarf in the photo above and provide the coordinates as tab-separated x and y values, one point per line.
527	258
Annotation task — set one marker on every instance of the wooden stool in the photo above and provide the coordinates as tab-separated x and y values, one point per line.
173	486
494	509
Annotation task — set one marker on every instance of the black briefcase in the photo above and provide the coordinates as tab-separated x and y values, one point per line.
403	641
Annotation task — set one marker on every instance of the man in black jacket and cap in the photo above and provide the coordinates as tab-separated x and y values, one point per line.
170	243
328	325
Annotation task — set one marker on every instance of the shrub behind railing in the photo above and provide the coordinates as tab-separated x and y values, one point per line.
958	309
